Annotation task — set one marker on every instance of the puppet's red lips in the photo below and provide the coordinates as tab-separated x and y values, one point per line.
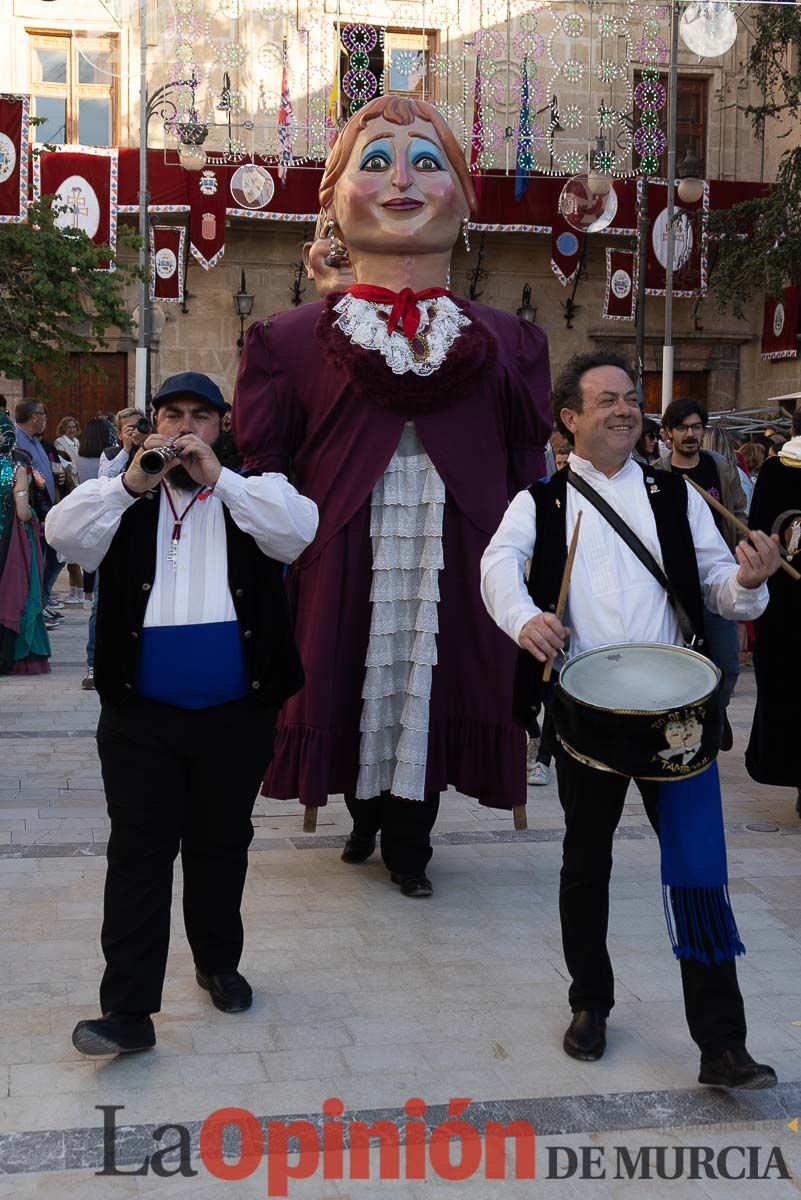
405	202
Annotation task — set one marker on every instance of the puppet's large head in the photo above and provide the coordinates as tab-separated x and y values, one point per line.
396	180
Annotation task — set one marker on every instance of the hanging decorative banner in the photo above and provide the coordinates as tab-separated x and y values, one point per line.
780	325
167	251
620	300
689	251
14	126
207	218
565	250
84	180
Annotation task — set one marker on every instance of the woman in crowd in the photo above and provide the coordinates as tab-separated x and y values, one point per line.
97	435
719	441
24	645
754	456
647	449
66	444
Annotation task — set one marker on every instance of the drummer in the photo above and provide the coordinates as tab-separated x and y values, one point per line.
613	598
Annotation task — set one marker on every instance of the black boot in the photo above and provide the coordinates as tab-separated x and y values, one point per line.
358	849
585	1036
115	1033
736	1069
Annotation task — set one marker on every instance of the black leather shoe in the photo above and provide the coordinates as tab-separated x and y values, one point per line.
115	1033
229	991
585	1036
357	849
798	803
736	1069
417	887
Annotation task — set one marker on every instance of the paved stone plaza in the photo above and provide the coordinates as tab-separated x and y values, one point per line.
372	998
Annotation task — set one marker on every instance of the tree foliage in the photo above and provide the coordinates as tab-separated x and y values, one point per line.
53	298
758	250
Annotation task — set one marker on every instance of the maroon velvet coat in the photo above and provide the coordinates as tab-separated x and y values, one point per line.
331	416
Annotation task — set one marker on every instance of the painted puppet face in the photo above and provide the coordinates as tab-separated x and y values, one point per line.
398	193
674	734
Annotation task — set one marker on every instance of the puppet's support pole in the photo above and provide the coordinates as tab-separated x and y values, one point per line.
310	818
519	814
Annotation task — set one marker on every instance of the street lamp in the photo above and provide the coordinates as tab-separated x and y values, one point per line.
527	311
243	305
691	178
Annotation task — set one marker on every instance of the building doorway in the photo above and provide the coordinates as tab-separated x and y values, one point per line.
86	392
687	385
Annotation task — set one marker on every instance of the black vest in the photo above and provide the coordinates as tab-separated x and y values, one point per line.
256	582
669	506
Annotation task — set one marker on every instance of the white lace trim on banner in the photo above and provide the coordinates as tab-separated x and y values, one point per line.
407	508
440	323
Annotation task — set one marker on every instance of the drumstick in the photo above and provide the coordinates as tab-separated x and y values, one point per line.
724	512
562	601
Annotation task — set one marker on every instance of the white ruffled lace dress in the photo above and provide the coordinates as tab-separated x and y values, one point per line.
406	513
406	527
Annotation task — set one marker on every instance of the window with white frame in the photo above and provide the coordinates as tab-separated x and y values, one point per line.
74	87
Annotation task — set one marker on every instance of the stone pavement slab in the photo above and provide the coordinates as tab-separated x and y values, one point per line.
365	996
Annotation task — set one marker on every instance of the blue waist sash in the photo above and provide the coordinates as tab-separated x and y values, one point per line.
192	666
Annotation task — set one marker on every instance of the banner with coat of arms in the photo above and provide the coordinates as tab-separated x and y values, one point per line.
207	202
620	298
84	179
565	250
14	131
689	245
780	325
167	251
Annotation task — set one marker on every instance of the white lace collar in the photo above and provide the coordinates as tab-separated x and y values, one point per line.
365	323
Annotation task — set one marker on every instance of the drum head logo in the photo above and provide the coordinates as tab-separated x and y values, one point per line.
778	320
683	737
8	157
166	263
79	198
621	284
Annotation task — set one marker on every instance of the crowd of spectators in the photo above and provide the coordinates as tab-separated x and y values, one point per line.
36	474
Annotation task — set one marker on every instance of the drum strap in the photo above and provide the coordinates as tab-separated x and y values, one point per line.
638	548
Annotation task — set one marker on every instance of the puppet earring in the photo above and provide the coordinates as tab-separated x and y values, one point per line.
466	233
337	250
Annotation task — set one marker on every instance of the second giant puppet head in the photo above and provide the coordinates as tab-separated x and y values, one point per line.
396	181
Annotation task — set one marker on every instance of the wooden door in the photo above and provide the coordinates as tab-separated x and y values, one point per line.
86	392
687	385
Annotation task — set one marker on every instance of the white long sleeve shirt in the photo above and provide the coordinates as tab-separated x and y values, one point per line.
612	597
281	521
111	467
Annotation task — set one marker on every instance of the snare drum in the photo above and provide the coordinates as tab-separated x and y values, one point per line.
641	709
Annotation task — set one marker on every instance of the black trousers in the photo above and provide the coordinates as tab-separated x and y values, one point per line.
176	780
593	803
405	827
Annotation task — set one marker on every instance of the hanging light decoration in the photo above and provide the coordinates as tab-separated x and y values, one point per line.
708	28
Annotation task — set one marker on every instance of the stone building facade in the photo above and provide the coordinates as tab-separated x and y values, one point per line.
716	357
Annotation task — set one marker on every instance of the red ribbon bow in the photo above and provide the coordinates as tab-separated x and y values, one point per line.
404	304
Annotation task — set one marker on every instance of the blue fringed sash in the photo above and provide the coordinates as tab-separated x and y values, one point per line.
695	880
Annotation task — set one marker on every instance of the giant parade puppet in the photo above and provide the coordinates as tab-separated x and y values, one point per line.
410	416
